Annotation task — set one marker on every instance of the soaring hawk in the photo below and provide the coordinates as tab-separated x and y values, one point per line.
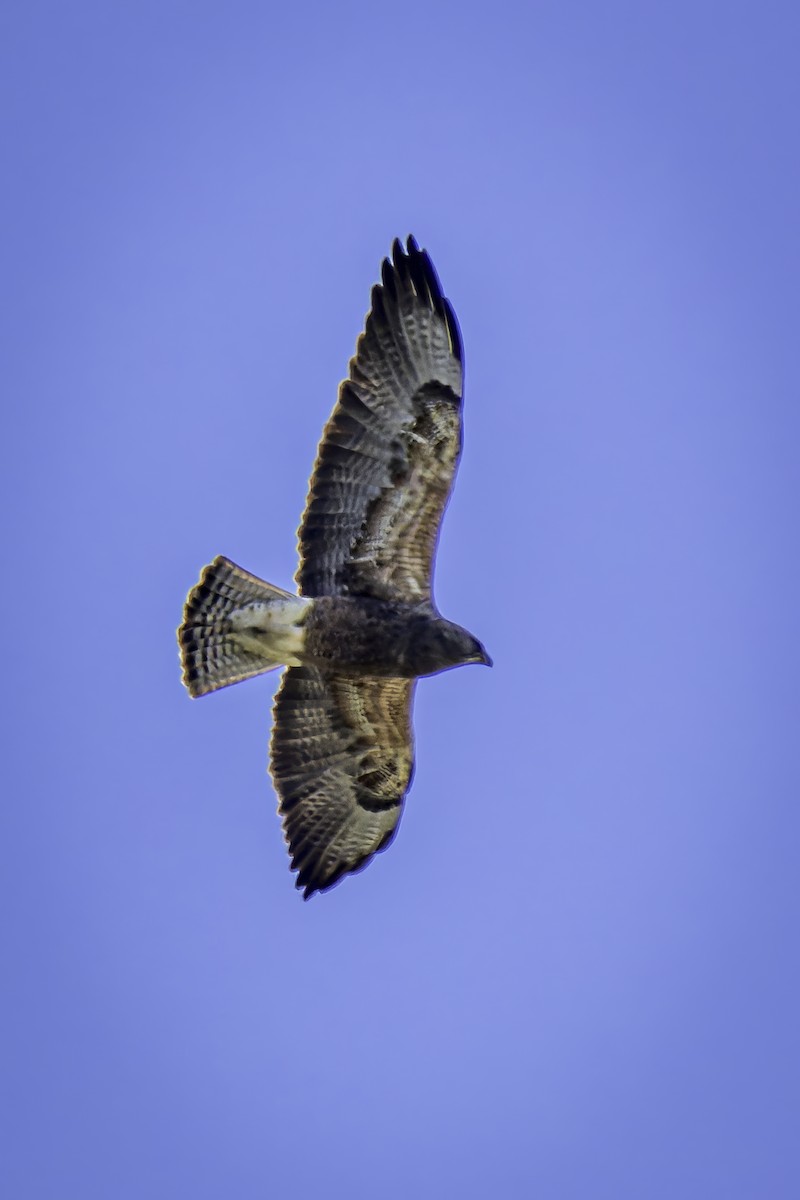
364	626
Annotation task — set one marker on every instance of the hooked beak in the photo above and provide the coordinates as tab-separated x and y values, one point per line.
485	659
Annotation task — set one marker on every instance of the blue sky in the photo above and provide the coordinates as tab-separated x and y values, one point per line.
575	972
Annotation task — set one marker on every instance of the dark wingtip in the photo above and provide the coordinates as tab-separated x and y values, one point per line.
304	881
311	886
389	278
409	267
376	301
417	264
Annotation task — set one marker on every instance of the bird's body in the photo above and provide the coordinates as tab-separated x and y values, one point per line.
413	639
365	625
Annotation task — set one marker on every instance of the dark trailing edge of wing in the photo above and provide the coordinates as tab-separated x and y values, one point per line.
308	881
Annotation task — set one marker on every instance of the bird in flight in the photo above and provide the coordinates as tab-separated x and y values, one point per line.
364	626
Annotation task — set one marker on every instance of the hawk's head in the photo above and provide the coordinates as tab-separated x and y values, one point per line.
438	645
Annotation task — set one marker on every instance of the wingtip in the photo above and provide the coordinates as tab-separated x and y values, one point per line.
389	273
304	881
409	262
310	887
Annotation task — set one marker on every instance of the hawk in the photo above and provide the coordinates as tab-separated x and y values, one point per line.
364	626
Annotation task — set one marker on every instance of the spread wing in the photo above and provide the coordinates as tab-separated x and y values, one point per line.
342	760
389	452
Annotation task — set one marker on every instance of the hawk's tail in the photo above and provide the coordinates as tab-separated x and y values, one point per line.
217	646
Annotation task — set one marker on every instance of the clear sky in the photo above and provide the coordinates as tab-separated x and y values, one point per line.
574	976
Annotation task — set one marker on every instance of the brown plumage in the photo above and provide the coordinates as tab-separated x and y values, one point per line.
365	625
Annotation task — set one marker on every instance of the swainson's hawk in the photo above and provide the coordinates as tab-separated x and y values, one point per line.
364	626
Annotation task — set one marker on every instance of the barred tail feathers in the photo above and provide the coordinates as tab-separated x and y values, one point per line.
223	638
